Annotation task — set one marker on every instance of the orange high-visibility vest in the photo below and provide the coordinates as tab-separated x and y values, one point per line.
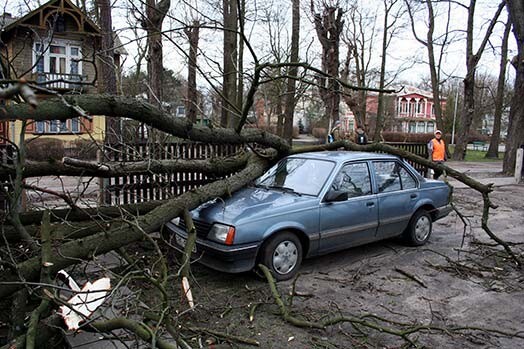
439	150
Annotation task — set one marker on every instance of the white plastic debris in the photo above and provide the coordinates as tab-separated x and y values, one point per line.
187	292
85	302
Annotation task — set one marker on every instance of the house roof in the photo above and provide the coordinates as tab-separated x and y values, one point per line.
61	5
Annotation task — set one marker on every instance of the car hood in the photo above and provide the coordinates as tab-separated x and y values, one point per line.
250	204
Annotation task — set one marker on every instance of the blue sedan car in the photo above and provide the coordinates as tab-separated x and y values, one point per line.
312	204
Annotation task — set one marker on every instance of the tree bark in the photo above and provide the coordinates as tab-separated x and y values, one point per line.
155	13
472	60
55	109
328	27
493	150
289	108
107	77
516	116
229	82
193	34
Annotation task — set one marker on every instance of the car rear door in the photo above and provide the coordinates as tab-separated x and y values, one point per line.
352	221
397	193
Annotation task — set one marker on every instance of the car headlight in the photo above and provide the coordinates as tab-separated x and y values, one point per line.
222	233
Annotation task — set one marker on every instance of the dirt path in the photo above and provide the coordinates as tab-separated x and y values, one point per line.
461	284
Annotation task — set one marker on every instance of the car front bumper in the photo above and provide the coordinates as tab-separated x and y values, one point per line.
230	259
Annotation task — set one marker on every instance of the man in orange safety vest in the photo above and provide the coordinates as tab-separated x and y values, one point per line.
437	151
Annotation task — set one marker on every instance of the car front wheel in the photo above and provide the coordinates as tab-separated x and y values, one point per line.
282	254
419	229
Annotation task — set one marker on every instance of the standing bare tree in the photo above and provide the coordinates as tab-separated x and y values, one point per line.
328	26
193	34
155	14
359	37
493	150
229	81
472	60
516	115
107	75
289	109
392	14
436	49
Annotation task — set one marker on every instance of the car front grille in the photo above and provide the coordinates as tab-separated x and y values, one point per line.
202	228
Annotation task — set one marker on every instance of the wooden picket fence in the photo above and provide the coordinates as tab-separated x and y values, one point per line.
420	149
147	187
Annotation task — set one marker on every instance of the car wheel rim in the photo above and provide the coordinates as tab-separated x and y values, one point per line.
422	228
285	257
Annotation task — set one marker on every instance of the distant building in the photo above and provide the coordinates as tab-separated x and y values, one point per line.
410	111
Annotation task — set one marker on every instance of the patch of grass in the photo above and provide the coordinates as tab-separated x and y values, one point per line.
477	155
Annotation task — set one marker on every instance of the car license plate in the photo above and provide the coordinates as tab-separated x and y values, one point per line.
182	242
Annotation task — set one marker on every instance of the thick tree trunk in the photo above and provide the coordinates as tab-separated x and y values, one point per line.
107	68
289	110
493	150
155	13
229	83
516	116
468	110
379	125
329	26
472	60
193	34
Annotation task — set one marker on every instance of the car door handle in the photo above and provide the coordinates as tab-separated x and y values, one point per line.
370	204
413	196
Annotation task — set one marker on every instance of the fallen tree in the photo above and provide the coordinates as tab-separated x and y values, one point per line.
57	244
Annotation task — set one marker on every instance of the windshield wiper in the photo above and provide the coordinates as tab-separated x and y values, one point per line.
284	189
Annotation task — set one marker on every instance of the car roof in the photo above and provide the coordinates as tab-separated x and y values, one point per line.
341	155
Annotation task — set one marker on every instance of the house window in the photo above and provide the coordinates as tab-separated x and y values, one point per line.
412	127
53	126
431	127
421	127
57	126
75	125
40	127
181	111
57	57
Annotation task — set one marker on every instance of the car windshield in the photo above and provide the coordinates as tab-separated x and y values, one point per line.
302	176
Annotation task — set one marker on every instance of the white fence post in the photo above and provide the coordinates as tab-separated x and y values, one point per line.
518	165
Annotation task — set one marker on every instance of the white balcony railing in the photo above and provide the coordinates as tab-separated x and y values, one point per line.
58	81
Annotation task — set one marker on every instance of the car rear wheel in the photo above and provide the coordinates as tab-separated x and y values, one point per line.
419	229
282	255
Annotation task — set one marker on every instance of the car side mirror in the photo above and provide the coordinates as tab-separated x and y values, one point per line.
336	195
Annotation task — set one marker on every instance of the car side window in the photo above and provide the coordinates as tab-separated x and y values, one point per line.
353	179
407	180
387	175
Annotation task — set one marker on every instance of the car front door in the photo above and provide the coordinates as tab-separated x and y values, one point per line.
352	218
397	193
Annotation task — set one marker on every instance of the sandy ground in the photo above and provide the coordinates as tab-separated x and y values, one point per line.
463	283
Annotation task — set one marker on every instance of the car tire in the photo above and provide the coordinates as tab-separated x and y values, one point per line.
419	228
282	255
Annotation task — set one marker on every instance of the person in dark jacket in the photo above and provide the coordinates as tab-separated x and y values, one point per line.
361	137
